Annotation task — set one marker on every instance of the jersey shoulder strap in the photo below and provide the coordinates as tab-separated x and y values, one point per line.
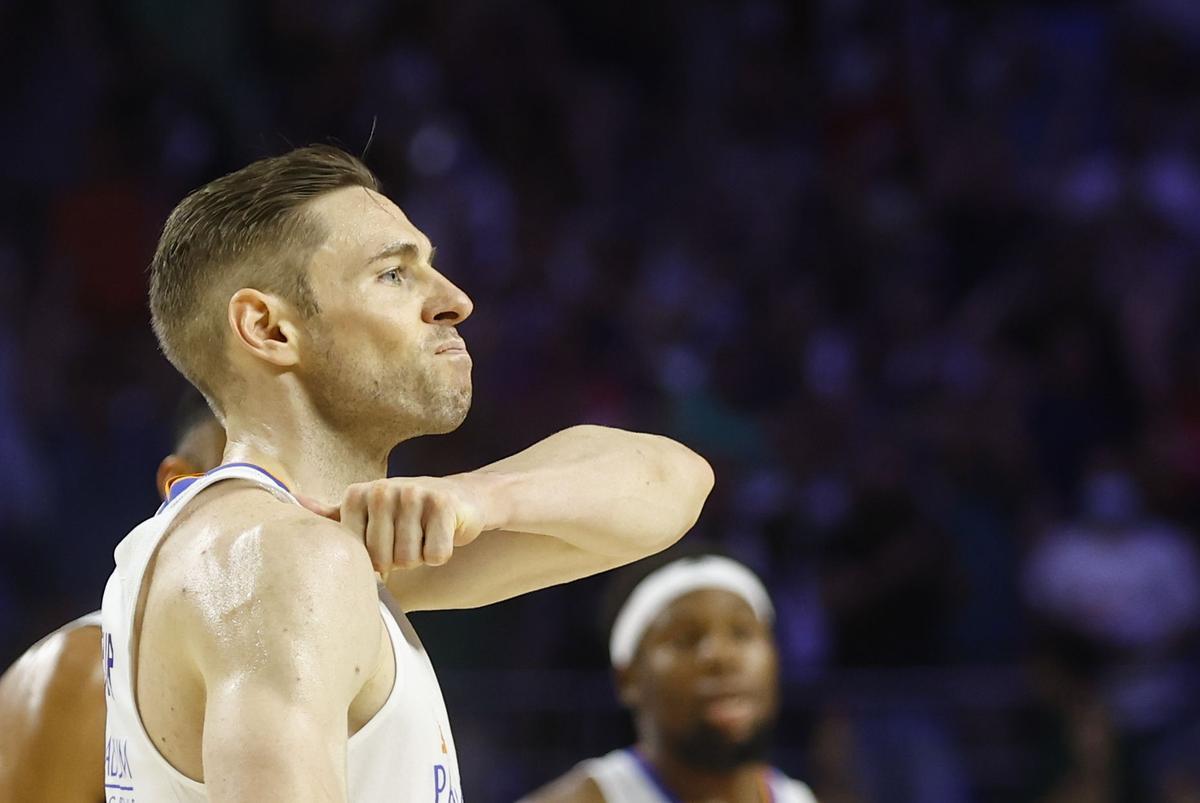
621	779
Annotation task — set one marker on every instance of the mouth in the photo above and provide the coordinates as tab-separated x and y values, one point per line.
734	712
454	347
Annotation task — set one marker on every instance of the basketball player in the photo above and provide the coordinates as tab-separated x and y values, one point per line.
249	653
52	698
696	663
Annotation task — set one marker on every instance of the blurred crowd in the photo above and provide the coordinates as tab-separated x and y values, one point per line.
919	279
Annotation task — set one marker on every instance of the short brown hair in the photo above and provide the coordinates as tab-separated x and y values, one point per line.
246	229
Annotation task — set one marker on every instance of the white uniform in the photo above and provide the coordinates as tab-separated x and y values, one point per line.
623	777
405	752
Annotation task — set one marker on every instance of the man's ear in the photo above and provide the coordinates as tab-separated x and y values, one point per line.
628	690
265	325
172	466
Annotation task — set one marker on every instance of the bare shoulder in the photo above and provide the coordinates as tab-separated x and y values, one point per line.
574	787
52	704
70	660
76	679
251	603
240	534
242	559
56	673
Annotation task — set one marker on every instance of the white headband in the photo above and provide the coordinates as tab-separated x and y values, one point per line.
663	586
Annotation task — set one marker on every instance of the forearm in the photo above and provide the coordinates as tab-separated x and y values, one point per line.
603	490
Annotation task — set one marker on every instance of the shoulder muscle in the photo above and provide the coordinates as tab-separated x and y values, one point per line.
289	590
52	704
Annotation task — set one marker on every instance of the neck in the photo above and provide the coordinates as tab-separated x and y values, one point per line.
307	456
742	784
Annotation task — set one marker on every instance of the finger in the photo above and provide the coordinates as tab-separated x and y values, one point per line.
439	532
320	508
353	511
407	548
378	534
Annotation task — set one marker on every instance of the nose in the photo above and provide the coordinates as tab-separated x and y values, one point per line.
718	651
447	304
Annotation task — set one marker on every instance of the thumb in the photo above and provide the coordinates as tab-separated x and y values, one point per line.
466	527
331	512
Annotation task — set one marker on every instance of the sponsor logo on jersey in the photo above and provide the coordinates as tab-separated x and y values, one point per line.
108	657
443	789
118	773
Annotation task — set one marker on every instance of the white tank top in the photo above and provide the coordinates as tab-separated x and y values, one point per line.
405	752
624	777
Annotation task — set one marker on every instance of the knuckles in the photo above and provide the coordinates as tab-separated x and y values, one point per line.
407	501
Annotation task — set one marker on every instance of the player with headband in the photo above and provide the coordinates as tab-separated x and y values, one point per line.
696	664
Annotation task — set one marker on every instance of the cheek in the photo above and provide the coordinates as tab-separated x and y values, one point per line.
670	677
762	664
364	329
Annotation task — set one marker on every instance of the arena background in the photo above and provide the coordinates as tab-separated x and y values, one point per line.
918	277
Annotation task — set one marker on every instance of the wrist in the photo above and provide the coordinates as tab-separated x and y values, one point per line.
489	492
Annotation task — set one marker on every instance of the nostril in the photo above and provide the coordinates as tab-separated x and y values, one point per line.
448	315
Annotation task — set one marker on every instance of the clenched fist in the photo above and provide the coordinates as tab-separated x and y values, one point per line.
408	521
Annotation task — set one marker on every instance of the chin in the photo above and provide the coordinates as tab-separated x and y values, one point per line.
450	414
708	748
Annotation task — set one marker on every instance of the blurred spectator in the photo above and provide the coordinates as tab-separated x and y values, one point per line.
899	270
1119	595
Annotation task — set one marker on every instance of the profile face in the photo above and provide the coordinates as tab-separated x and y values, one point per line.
706	678
384	347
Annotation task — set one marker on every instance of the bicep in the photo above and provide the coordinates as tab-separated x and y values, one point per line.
497	566
278	666
263	742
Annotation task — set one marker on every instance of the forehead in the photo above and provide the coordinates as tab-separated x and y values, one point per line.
361	222
702	607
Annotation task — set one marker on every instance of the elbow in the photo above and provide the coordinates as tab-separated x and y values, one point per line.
693	479
689	481
705	478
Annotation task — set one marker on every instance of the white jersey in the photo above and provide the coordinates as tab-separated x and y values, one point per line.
624	777
405	752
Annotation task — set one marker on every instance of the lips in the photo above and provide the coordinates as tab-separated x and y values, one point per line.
452	347
733	712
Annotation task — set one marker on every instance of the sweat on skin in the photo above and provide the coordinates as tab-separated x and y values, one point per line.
255	699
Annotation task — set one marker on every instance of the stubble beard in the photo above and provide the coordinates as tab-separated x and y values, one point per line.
706	748
393	406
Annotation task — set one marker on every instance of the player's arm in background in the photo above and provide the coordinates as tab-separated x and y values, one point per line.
283	645
582	501
52	722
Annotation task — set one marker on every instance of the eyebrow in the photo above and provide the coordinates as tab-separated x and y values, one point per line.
405	249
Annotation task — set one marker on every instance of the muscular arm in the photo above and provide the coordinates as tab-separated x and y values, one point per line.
283	644
52	710
582	501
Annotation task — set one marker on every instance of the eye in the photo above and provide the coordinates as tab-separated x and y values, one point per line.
685	639
392	276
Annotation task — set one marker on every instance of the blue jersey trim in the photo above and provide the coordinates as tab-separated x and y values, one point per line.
652	775
179	486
